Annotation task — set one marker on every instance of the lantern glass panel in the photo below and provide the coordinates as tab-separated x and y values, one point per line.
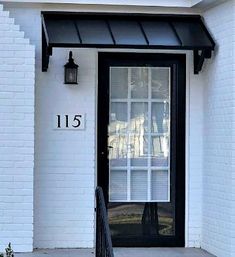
71	75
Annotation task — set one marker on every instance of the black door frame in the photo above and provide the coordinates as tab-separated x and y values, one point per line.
177	62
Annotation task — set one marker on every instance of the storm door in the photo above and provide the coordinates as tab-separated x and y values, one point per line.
141	120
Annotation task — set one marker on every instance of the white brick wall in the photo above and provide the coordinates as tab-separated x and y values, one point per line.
16	136
194	157
64	160
65	168
218	227
233	146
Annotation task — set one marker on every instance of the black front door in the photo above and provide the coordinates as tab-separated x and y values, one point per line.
141	147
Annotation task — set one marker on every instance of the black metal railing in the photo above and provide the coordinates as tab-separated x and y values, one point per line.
104	246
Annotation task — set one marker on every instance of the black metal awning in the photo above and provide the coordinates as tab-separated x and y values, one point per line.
138	31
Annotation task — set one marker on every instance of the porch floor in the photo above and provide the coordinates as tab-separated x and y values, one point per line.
120	252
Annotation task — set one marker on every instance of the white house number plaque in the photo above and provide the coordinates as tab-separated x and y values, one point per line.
69	121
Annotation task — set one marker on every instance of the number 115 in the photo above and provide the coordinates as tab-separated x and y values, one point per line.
66	121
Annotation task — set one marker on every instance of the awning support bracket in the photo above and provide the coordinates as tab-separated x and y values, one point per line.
46	49
45	55
199	58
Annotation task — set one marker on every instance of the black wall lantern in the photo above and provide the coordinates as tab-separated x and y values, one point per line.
70	71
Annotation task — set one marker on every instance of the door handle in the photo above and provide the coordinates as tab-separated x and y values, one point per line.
109	147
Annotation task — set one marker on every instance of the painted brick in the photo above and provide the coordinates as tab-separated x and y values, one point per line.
218	227
62	169
16	192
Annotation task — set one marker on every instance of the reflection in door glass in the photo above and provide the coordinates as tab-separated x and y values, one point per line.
160	83
139	185
139	162
138	150
141	220
139	117
139	132
119	80
159	182
160	117
118	118
139	82
159	151
118	181
117	151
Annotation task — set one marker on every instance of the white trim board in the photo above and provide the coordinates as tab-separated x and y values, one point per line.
154	3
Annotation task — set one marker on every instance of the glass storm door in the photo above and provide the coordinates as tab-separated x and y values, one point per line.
139	167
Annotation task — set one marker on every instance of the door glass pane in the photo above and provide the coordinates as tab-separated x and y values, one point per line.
160	117
159	186
118	185
160	151
142	181
139	131
118	118
139	117
160	83
139	150
141	220
139	82
139	185
117	146
119	78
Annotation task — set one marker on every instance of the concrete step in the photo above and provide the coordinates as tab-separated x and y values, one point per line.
120	252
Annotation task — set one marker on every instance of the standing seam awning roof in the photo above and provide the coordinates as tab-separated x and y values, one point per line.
114	30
